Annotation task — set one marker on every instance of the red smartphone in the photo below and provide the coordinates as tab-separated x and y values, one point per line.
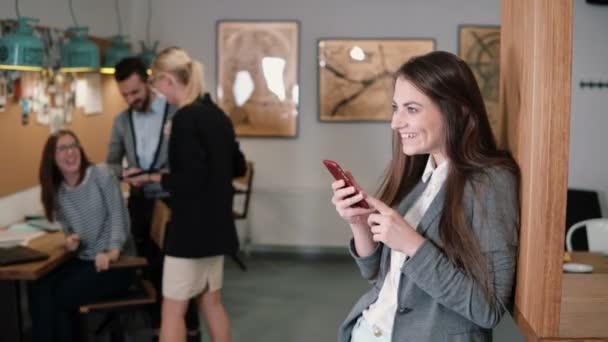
338	174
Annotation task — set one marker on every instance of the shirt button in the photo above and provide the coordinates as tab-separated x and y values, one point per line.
377	331
404	310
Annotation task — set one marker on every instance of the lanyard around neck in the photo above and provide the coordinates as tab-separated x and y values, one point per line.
160	139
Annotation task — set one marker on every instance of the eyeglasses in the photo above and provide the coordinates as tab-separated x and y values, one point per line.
65	148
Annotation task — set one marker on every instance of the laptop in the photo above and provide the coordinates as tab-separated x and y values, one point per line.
20	254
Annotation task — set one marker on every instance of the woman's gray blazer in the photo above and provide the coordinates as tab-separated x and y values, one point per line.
436	300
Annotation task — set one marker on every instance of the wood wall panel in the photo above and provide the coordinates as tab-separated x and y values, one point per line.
536	64
21	146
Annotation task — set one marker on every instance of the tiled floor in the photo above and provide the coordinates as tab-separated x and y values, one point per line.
295	299
284	298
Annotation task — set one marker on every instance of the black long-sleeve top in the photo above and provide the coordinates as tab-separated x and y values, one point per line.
204	157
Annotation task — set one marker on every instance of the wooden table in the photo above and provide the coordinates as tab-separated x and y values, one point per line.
52	244
584	302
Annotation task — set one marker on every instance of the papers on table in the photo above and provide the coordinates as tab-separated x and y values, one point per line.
18	236
44	224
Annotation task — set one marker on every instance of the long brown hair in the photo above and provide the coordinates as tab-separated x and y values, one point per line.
49	174
470	148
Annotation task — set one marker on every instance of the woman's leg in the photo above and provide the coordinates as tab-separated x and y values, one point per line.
84	285
41	302
216	318
173	325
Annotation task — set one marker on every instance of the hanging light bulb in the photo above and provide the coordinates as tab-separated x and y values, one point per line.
21	50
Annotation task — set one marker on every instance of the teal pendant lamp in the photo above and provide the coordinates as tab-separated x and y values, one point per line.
21	50
79	54
148	53
117	50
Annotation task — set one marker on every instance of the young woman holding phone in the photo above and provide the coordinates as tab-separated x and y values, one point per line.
439	245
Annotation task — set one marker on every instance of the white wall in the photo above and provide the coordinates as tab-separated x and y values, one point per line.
15	206
589	120
291	198
290	204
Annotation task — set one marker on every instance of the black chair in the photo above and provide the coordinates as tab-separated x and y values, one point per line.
242	195
581	205
141	293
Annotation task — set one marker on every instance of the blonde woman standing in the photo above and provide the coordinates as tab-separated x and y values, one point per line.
204	157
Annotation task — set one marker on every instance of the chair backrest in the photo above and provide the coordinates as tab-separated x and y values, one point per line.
160	218
581	205
242	192
141	292
597	234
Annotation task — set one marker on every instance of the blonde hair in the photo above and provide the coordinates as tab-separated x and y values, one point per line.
185	69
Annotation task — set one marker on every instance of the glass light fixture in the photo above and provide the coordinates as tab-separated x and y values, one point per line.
117	50
21	50
148	53
79	54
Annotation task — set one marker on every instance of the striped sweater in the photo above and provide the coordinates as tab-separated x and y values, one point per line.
95	210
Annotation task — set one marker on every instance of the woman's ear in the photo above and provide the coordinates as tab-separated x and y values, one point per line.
170	79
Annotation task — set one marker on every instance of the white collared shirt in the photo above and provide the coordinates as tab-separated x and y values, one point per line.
381	314
148	130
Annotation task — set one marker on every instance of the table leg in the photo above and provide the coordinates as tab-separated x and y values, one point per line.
11	311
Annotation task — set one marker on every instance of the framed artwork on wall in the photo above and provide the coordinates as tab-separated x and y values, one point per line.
356	76
257	76
479	47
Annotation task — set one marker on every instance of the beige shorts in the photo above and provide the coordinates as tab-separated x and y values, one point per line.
185	278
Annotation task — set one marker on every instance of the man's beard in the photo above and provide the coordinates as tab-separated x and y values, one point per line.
144	103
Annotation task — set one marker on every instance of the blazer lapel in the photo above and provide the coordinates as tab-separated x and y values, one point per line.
409	200
402	208
432	212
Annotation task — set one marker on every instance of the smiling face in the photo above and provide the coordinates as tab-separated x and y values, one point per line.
67	155
136	92
418	121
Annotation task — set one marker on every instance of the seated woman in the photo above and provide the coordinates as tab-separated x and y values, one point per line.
86	199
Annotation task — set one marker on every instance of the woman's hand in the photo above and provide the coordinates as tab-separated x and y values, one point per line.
135	181
344	204
102	262
389	227
72	242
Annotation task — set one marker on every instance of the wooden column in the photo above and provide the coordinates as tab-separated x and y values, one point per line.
535	87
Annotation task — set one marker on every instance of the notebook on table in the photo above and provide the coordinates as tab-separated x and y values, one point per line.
20	254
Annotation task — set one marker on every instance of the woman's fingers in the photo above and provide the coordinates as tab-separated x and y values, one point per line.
337	184
355	211
376	219
340	194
